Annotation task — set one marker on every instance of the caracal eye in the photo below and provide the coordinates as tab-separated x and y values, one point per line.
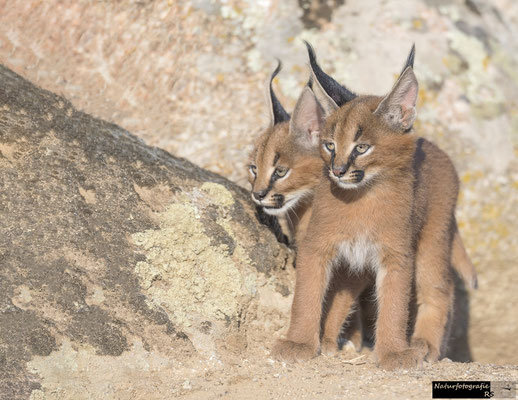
253	169
362	148
330	146
281	171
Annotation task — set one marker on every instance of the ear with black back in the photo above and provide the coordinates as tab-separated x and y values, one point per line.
331	94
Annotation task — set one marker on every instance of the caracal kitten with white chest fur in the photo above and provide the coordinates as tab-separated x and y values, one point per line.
284	171
381	211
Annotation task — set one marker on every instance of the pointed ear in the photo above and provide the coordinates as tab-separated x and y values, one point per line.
329	91
277	112
307	120
327	103
410	59
398	108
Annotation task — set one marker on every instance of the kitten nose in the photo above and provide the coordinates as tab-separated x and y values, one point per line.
339	171
260	195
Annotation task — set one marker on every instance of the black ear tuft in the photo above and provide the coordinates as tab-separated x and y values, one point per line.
278	111
410	60
310	82
337	92
398	108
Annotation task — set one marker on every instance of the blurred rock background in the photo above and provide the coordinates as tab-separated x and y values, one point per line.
188	76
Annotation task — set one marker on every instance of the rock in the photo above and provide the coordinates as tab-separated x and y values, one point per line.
189	77
116	257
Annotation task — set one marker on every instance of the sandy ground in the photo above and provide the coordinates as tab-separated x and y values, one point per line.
343	376
189	77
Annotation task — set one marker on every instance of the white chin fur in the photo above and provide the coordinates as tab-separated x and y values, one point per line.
256	201
276	211
350	185
343	185
287	205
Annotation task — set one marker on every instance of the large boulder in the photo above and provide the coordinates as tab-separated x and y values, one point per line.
125	269
188	76
117	258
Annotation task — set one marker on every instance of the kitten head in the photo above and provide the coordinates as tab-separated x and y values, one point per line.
364	136
285	165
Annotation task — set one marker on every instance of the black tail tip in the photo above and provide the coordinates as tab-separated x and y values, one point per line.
310	82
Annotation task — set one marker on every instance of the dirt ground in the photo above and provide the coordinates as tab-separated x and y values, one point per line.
188	76
335	378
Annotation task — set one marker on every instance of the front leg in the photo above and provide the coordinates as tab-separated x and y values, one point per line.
393	286
312	275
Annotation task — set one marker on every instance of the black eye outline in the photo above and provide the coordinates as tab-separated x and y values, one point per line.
280	171
363	146
253	169
330	146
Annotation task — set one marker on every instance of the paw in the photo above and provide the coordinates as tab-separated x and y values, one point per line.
430	352
328	347
351	347
287	350
356	341
407	359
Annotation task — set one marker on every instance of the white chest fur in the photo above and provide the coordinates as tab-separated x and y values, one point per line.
360	254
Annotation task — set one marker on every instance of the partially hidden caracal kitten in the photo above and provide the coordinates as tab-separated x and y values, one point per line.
386	205
293	147
285	167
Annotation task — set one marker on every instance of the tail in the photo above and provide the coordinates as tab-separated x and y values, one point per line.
461	262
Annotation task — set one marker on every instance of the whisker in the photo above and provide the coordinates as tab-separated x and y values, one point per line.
289	218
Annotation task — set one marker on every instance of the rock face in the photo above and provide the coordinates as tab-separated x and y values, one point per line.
99	233
125	269
188	76
116	258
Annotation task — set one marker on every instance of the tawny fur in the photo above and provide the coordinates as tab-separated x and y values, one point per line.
404	212
277	144
306	172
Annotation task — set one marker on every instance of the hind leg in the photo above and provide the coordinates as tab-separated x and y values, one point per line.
353	332
360	325
342	297
434	291
334	324
369	311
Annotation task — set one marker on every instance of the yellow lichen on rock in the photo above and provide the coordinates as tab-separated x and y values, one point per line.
185	272
218	194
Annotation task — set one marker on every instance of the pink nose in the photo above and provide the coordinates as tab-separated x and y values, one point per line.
339	172
260	195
